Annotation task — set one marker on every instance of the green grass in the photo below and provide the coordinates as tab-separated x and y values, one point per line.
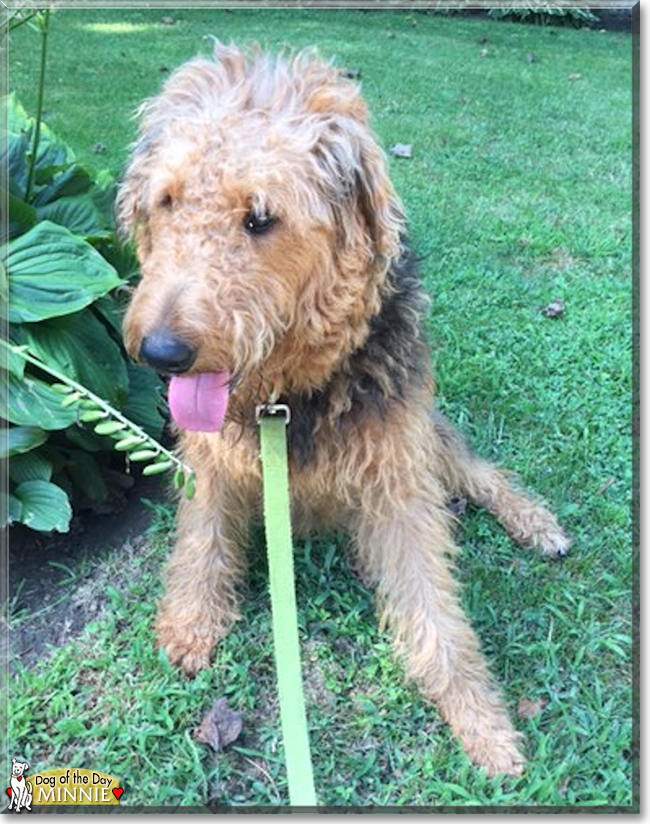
518	193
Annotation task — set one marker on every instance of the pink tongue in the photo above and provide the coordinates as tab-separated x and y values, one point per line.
199	402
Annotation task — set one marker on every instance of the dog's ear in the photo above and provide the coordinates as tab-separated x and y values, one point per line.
354	166
329	93
377	200
357	184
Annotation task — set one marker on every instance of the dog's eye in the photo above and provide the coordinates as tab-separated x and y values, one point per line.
257	224
166	202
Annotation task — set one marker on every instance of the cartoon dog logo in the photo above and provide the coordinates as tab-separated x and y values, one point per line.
21	790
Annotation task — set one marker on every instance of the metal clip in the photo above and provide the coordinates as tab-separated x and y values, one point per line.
272	410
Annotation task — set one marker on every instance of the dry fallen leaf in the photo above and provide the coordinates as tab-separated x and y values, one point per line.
575	76
531	58
531	709
167	21
555	309
220	726
402	150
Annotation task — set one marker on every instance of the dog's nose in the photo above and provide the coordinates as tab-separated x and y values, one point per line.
167	353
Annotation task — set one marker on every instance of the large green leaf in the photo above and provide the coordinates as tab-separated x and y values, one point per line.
146	405
63	191
53	155
45	506
79	213
53	273
11	509
22	216
104	194
85	439
80	346
121	256
111	311
31	402
14	114
86	475
13	363
13	157
32	466
18	439
57	182
14	144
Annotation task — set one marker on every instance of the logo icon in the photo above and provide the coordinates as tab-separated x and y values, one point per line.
20	791
61	787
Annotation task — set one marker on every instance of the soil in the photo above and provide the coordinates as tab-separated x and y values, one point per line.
46	572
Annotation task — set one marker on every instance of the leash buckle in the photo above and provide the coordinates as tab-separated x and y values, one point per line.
273	410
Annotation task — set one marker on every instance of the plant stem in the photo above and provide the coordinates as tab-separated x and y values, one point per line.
22	16
106	407
45	29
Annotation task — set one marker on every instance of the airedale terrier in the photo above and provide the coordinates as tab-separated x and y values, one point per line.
275	267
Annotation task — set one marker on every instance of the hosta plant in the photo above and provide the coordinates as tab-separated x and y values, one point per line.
74	408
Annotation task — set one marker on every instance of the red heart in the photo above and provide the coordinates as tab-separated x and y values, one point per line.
9	791
117	792
19	777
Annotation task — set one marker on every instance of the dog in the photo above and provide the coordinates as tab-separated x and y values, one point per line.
21	790
275	268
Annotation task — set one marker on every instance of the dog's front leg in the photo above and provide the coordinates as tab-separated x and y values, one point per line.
202	574
405	548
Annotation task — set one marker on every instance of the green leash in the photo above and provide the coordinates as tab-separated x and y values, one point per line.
273	421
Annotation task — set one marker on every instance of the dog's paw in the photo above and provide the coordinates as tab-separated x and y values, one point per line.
508	761
498	753
190	650
554	543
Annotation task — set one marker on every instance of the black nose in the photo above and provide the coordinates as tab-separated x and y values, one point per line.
167	353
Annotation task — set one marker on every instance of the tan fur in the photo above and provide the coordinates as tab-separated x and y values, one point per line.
283	312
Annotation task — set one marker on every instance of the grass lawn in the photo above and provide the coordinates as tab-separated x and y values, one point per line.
519	194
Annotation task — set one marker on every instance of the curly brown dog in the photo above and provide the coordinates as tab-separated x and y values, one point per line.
274	267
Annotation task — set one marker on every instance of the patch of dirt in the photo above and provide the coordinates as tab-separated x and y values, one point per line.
560	260
53	590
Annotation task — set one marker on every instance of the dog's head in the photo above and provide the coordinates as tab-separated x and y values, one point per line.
18	767
264	221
